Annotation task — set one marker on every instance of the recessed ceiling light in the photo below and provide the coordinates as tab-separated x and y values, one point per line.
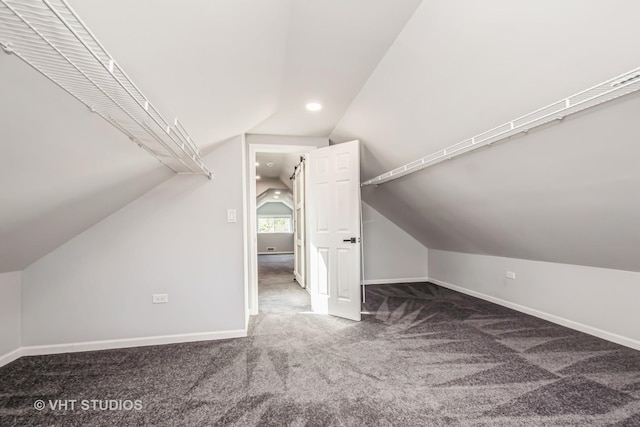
276	197
257	163
270	164
277	192
257	176
314	106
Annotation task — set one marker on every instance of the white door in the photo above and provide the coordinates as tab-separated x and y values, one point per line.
299	225
333	205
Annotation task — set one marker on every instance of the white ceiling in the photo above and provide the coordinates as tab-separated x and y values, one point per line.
274	195
575	203
227	67
332	48
277	165
223	67
456	68
565	193
217	64
62	168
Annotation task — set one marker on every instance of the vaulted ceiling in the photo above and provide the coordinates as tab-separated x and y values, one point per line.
564	193
406	78
224	67
231	66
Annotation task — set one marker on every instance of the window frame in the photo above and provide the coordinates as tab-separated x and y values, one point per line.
274	216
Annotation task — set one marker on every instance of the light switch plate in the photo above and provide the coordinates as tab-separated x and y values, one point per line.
231	215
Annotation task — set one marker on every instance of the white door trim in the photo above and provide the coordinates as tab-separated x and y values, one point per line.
252	300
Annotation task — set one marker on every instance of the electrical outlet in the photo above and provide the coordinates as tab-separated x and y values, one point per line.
160	298
511	275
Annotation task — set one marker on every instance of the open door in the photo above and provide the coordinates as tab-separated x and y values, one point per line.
333	204
299	241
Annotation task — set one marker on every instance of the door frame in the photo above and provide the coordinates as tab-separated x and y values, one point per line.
252	232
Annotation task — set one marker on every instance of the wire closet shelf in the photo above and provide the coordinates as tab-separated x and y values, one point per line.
50	37
596	95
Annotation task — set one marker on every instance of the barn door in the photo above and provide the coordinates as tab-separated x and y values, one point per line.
333	203
299	225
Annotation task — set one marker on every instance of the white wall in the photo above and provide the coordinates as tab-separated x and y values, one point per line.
390	254
10	313
599	301
307	141
283	242
174	239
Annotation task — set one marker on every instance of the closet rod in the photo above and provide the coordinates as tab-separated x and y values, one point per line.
604	92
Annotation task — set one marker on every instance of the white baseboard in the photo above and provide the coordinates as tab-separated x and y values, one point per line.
394	281
5	359
40	350
609	336
275	253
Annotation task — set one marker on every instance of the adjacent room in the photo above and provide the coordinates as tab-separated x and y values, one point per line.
278	233
319	212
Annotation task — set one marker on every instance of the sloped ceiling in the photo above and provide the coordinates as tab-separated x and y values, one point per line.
278	166
457	68
565	193
217	64
223	67
332	48
275	196
274	165
62	168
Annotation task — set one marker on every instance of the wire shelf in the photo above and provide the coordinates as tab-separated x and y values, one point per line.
50	37
596	95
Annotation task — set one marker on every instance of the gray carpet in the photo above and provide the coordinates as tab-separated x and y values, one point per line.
277	290
426	356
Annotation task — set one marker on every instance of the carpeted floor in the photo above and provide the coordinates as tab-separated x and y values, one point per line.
278	292
425	356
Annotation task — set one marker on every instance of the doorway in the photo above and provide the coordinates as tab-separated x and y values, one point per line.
270	166
332	229
278	233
